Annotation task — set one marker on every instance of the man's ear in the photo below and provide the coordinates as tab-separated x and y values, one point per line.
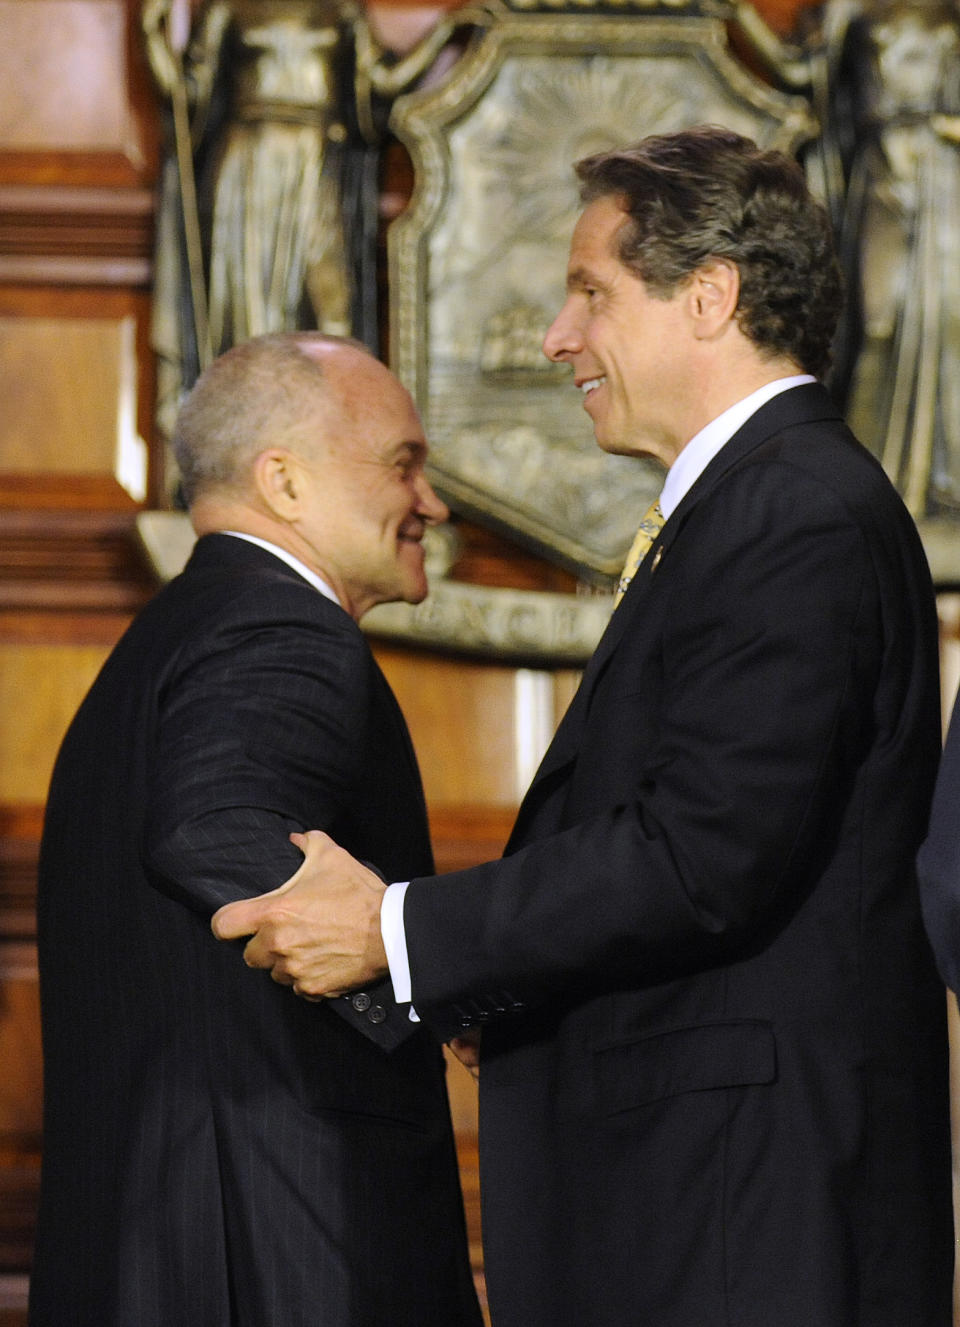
714	295
277	481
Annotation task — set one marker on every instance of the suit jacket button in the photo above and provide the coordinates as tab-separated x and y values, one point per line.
361	1002
377	1014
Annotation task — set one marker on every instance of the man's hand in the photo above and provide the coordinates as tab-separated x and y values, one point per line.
466	1048
320	931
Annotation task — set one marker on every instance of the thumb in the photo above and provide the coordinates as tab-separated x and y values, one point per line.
245	916
310	844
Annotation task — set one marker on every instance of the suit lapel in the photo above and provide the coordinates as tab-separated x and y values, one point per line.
797	405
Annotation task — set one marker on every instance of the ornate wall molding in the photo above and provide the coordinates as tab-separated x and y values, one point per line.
76	235
477	261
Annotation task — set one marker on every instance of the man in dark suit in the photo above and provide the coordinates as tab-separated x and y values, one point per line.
713	1064
218	1153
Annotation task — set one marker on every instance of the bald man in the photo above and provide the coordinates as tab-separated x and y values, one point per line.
217	1152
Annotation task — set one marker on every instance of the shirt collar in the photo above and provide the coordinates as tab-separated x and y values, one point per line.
703	446
290	560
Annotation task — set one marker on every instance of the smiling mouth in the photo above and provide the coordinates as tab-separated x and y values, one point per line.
592	384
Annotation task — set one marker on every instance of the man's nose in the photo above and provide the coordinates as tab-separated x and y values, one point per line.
562	337
432	508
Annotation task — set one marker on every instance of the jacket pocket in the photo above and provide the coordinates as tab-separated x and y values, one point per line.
634	1073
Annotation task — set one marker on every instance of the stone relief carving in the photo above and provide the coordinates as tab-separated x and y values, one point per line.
477	263
478	260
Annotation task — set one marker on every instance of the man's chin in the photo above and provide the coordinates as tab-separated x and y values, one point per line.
609	441
416	594
406	592
414	586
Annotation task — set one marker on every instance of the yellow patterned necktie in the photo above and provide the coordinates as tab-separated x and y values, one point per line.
649	528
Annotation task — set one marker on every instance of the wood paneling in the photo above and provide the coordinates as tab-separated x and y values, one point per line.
19	1045
464	834
40	689
76	235
479	729
77	381
20	827
21	1087
73	563
76	414
448	703
61	70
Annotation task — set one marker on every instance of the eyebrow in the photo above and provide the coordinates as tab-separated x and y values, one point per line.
411	447
578	277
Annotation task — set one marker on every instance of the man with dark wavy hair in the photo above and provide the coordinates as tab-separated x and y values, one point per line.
713	195
713	1058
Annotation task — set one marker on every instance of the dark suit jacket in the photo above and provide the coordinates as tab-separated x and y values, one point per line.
713	1082
217	1151
938	863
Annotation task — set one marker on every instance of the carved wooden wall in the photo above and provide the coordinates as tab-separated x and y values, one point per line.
78	169
78	149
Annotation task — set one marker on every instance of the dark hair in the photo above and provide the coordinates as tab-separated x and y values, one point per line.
710	193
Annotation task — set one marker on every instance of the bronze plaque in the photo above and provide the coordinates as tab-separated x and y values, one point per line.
478	260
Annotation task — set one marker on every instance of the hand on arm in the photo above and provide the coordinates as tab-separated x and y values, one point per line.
320	931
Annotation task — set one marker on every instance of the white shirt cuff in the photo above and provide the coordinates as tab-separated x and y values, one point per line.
395	942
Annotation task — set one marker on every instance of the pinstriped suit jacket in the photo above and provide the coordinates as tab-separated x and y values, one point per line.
218	1152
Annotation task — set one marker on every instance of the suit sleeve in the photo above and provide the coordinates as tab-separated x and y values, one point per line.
258	735
712	769
938	862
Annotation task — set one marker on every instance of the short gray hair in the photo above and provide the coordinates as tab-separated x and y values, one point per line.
261	393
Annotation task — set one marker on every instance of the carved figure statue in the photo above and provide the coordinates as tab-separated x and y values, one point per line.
894	111
885	79
270	197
